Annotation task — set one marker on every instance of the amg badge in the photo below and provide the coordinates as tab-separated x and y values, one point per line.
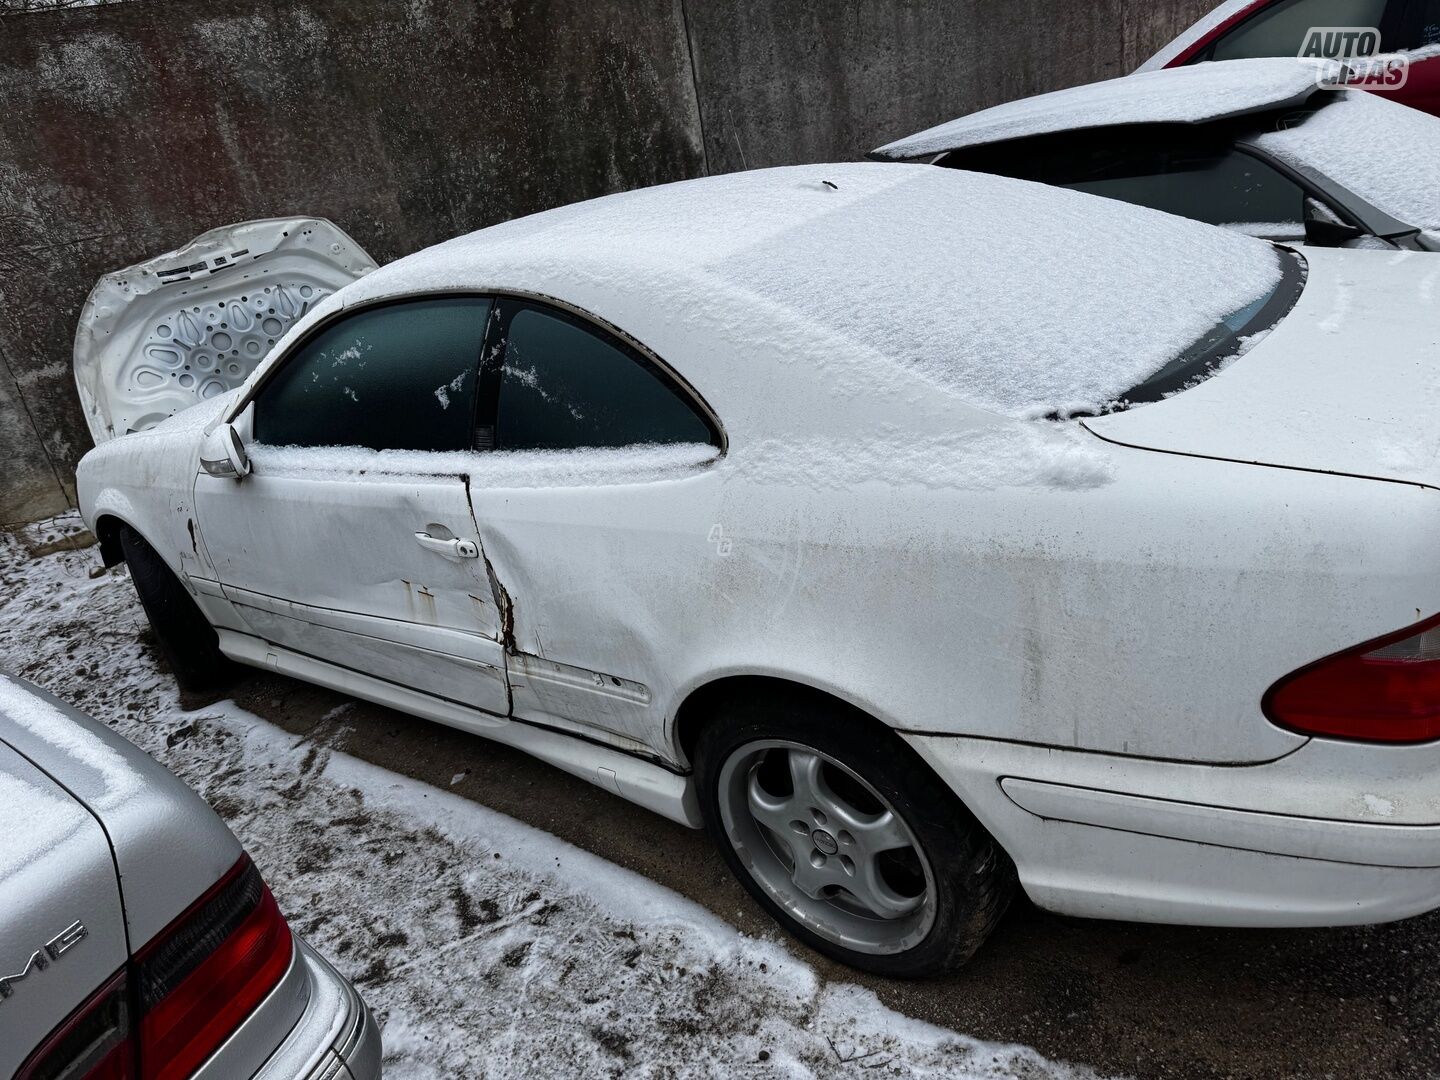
44	956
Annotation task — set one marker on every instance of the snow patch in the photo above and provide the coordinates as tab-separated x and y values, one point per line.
23	709
1379	806
1019	455
491	468
1344	141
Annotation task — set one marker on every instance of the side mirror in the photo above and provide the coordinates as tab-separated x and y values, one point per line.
1324	228
224	455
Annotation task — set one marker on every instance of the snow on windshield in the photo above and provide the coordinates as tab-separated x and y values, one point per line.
1186	95
1019	298
1343	140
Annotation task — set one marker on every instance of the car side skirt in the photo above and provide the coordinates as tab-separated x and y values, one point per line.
642	782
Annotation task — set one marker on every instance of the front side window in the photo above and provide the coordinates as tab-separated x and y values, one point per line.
1282	28
564	384
398	377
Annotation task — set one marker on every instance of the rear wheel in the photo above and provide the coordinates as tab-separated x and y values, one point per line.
848	840
187	640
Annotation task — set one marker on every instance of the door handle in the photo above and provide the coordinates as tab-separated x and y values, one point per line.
451	549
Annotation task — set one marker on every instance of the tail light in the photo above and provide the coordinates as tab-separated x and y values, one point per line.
93	1042
1386	690
182	995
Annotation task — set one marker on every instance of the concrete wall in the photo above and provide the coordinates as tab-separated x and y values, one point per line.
130	126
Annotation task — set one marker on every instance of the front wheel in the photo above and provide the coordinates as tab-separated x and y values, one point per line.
849	841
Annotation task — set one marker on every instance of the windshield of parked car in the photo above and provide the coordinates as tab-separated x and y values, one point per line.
1230	338
1387	154
1191	170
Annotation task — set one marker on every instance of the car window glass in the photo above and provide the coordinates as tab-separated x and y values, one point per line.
1190	174
564	386
1221	189
1421	26
1281	29
398	377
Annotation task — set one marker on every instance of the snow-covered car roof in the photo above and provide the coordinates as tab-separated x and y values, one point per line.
1344	141
1018	297
1227	12
1196	94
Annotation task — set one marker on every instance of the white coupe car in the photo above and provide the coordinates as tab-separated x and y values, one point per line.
914	531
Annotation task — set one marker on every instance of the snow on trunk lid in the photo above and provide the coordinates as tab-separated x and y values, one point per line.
162	335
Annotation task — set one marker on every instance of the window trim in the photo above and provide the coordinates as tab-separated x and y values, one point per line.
648	357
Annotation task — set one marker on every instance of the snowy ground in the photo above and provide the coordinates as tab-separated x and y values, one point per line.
486	947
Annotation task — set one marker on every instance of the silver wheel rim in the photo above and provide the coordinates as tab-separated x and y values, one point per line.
826	847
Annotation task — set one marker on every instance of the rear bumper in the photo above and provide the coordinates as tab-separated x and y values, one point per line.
1333	834
336	1037
313	1026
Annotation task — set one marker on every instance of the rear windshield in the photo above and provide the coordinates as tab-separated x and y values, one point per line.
1228	339
1023	299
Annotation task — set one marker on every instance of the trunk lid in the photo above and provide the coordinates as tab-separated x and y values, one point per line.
1347	383
62	933
186	326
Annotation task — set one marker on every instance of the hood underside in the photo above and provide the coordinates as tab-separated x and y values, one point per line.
186	326
1347	383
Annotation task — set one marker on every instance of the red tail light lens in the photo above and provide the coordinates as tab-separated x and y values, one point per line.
93	1042
1385	691
205	973
191	987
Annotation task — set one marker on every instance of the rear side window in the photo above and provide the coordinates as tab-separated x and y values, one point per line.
564	384
1282	28
399	377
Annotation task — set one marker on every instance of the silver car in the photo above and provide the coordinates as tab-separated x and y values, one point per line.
137	938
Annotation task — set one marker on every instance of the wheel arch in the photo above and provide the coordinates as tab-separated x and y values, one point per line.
108	524
703	703
107	531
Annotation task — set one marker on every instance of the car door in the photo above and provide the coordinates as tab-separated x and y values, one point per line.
352	540
597	508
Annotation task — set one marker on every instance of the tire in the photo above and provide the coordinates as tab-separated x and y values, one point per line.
961	877
187	640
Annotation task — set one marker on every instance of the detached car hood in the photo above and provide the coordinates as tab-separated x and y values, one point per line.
186	326
1348	382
